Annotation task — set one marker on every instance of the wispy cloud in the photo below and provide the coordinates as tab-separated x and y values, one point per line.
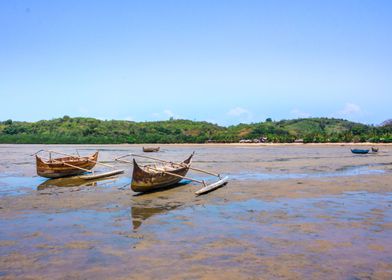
241	114
167	113
299	114
129	118
238	111
350	109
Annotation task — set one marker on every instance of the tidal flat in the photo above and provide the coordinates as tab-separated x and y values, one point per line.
288	212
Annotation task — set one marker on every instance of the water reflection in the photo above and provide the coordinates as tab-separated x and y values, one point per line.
141	213
77	182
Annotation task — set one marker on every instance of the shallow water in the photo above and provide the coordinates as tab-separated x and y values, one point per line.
289	212
349	171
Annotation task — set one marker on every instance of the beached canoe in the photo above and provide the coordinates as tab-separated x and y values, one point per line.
359	151
65	166
150	149
150	177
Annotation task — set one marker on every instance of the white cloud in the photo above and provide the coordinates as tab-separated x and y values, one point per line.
165	115
238	112
350	109
168	113
299	114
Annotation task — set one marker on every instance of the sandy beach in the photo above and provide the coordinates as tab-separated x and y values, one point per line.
289	212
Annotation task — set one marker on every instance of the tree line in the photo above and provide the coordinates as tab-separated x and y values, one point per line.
67	130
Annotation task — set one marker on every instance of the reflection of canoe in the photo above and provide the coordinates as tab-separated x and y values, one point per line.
139	214
65	166
359	151
150	149
71	182
146	179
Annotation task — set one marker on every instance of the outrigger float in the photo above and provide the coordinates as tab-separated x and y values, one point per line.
155	176
71	165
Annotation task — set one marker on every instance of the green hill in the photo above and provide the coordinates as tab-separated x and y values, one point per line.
89	131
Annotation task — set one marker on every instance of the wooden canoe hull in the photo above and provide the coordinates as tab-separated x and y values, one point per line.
143	181
150	149
57	169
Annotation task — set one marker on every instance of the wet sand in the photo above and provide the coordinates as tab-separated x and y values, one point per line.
289	212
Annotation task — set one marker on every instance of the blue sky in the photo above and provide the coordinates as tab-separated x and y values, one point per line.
221	61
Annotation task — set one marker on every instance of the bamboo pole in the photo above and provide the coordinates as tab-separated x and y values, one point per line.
97	162
175	175
37	152
123	160
74	166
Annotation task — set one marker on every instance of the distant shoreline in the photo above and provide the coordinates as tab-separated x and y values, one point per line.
68	130
212	144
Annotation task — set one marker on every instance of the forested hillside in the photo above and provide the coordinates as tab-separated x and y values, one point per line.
89	131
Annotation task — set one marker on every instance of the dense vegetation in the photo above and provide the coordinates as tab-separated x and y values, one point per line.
89	131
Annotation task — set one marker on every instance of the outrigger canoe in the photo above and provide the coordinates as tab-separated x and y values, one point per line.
65	166
71	165
150	177
155	176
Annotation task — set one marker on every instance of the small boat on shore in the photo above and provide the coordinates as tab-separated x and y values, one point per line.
150	149
164	173
150	177
71	165
65	166
359	151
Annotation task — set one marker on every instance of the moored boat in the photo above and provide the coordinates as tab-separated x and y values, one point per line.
150	149
150	177
65	166
359	151
154	176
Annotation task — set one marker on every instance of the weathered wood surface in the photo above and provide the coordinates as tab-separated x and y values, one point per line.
213	186
150	149
65	166
101	175
146	179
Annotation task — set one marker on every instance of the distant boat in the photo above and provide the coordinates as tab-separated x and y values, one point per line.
359	151
374	150
150	149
